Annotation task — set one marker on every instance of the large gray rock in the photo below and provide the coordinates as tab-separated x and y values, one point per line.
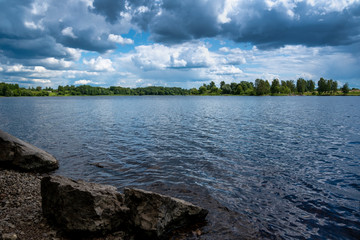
15	153
80	207
156	215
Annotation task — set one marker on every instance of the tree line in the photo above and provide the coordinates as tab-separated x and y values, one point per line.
277	87
9	90
259	87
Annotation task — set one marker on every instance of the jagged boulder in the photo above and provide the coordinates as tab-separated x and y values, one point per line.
17	154
80	207
155	215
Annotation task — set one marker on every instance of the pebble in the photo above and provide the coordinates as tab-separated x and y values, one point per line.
9	236
11	225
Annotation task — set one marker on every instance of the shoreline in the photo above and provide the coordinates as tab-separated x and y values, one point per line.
20	209
356	94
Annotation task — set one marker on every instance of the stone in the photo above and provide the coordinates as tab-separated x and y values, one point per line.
17	154
80	207
9	236
155	215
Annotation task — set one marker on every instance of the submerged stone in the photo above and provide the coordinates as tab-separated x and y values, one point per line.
156	215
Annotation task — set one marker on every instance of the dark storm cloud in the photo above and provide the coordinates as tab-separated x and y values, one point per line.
32	48
86	39
179	21
19	41
274	28
251	21
34	29
111	9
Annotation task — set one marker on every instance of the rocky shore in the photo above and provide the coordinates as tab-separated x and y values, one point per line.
20	207
21	213
30	200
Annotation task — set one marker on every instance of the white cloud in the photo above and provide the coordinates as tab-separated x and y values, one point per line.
41	81
15	68
224	49
32	25
68	32
229	7
89	3
74	53
57	62
331	6
100	64
39	69
39	7
227	70
82	82
119	39
158	56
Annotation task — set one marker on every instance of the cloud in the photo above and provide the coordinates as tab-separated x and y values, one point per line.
109	8
41	81
173	40
68	32
42	29
15	68
191	64
187	55
178	65
82	82
119	39
100	64
265	23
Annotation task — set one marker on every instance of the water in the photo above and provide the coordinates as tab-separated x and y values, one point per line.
265	167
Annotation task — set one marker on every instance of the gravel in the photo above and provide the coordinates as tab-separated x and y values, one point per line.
20	209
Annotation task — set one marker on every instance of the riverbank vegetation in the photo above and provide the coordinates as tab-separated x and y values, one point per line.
258	88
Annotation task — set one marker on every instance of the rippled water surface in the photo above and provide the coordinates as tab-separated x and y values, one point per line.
265	167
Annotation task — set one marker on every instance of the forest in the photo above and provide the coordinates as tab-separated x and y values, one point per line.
258	88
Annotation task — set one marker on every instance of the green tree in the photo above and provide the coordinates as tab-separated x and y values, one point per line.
215	90
211	85
239	90
202	90
291	85
301	85
262	87
328	85
275	86
345	89
226	89
233	86
334	87
310	86
322	86
194	91
222	83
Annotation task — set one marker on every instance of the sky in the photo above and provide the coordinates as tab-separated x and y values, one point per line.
182	43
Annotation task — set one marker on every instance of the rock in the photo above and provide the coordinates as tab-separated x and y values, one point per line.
99	165
9	236
17	154
156	215
80	207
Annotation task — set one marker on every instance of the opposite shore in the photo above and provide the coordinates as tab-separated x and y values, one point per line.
259	88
